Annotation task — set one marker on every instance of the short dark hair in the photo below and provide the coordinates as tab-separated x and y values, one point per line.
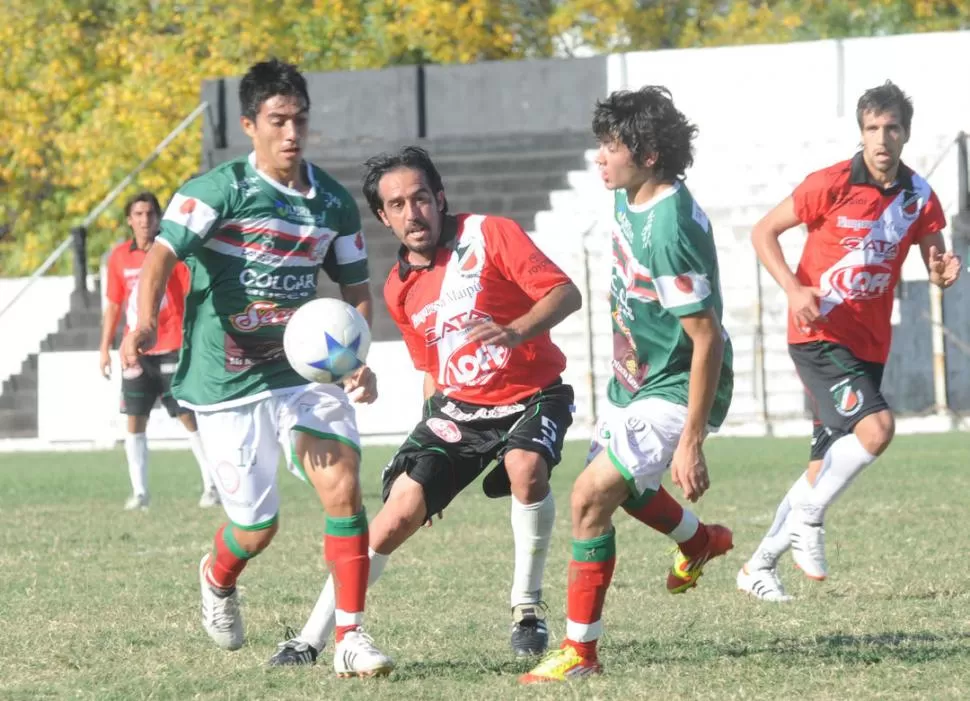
145	196
883	98
408	157
269	79
646	121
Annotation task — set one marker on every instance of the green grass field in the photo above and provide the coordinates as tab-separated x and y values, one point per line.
96	603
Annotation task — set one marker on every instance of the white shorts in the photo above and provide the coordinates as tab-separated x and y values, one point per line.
640	440
242	446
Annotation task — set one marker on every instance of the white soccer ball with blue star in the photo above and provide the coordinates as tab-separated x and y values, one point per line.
326	339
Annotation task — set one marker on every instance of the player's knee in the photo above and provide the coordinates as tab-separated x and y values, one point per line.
254	542
400	517
876	431
528	475
588	508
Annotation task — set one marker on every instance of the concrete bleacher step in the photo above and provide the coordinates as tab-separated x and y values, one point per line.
23	398
18	423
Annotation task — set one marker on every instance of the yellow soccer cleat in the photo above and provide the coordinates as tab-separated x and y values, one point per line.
561	665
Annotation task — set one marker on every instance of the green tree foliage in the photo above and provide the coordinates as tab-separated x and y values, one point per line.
88	87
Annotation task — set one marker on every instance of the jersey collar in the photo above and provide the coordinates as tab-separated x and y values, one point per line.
859	175
280	186
448	234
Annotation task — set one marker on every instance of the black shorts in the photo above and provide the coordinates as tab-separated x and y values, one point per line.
138	394
841	388
456	441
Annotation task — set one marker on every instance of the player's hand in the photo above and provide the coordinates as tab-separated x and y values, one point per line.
361	385
105	364
140	339
803	304
944	268
430	521
688	469
492	334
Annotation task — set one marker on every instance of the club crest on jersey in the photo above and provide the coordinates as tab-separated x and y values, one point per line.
848	401
471	257
444	429
910	204
319	250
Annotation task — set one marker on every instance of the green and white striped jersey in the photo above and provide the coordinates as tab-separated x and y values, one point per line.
664	267
254	248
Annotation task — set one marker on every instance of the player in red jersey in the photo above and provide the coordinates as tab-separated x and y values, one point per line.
474	299
152	380
862	216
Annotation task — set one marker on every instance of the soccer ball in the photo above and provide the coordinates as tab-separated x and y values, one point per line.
326	339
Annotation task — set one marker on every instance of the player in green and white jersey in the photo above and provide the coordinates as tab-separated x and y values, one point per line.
672	377
255	232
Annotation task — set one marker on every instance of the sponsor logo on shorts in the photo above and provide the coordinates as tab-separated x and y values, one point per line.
482	413
848	400
444	429
635	424
228	475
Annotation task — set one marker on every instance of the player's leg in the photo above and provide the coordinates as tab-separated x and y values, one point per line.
138	393
319	426
242	447
598	492
861	427
533	449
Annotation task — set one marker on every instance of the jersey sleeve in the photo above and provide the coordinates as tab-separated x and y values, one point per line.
517	257
116	279
191	217
346	260
931	217
812	198
416	346
682	265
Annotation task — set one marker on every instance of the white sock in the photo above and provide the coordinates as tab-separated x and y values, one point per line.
686	529
320	626
136	449
777	541
195	441
531	529
843	462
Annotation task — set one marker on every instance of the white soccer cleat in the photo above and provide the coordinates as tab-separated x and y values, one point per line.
136	502
221	617
357	656
762	584
209	498
808	549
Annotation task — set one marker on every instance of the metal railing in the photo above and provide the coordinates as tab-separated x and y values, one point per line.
78	232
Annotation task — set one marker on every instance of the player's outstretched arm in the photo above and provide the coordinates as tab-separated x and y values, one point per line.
942	265
688	468
155	272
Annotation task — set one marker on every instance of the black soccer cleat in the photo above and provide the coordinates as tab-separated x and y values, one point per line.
293	652
530	635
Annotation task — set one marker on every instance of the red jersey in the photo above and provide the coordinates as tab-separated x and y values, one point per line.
124	265
858	237
487	269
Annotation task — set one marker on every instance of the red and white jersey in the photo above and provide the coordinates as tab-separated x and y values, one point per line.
491	270
124	266
858	237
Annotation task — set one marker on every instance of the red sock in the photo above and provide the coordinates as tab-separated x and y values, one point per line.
228	559
590	574
661	512
345	550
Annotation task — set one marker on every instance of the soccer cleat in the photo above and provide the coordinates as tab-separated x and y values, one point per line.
808	549
687	570
357	656
530	635
762	584
221	617
561	665
209	498
293	652
136	501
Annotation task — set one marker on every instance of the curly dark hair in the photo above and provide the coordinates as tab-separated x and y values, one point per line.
408	157
646	121
883	98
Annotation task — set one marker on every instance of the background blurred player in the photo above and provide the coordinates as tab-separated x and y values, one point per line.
151	378
672	378
862	215
256	231
474	299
